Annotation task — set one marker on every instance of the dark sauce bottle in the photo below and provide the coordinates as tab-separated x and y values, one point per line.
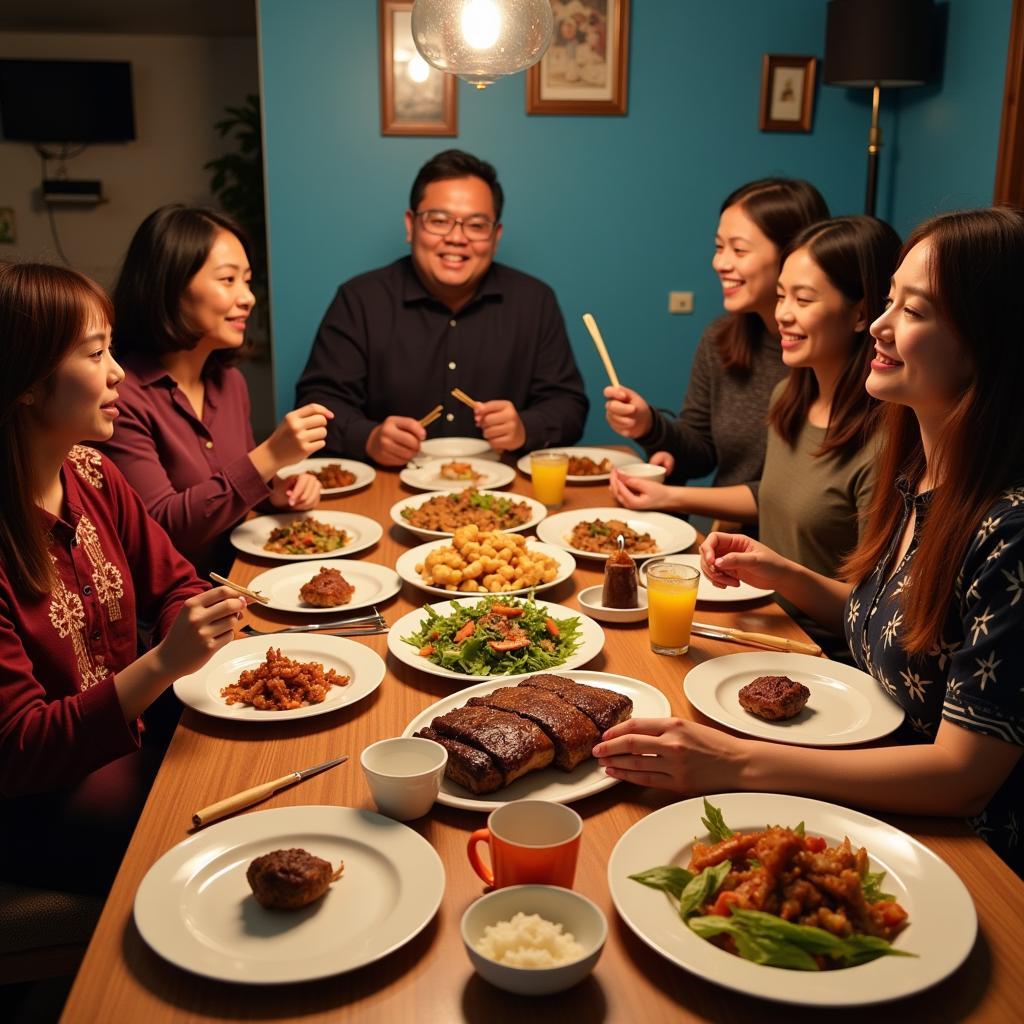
620	585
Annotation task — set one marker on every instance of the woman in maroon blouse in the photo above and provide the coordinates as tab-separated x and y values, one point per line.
80	563
184	440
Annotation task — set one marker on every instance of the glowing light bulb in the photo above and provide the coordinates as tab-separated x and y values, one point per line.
481	23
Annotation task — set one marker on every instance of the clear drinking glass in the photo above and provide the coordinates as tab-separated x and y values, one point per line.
548	470
671	598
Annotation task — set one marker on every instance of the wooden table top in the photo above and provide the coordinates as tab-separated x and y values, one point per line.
430	979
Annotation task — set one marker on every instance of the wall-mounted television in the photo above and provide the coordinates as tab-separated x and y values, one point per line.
66	101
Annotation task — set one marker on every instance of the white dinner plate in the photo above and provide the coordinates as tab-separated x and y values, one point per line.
942	919
550	783
408	560
667	532
195	908
537	513
846	705
457	448
707	592
364	474
427	476
363	666
616	458
363	532
374	583
591	637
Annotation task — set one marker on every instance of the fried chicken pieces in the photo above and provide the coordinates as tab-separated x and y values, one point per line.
290	879
327	589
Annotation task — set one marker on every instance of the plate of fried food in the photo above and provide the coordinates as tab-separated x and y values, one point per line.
587	465
531	739
495	636
435	514
275	677
307	588
791	899
336	476
792	698
204	907
594	532
479	561
443	474
293	536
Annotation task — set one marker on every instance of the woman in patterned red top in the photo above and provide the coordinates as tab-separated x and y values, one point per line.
933	606
80	563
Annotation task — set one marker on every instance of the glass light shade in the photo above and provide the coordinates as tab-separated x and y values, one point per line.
480	40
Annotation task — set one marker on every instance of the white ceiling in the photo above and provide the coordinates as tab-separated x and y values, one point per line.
142	17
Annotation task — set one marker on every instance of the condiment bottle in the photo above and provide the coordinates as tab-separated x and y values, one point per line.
620	585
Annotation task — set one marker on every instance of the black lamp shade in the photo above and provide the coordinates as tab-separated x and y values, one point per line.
878	42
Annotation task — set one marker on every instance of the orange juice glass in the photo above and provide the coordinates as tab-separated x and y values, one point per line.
548	470
671	598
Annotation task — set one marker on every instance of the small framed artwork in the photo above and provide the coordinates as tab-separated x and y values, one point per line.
787	93
586	68
415	99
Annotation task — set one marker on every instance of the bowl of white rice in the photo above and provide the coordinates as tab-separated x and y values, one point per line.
534	939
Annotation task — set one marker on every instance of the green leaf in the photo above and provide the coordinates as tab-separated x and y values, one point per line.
871	886
702	887
669	878
759	949
715	823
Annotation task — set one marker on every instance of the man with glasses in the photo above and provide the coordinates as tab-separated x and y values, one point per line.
396	341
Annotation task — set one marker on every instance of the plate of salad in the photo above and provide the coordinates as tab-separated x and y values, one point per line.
792	899
476	638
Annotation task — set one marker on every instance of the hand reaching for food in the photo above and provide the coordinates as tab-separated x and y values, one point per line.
635	492
729	559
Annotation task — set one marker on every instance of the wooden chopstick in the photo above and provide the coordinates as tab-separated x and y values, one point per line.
434	414
245	591
463	397
778	643
591	325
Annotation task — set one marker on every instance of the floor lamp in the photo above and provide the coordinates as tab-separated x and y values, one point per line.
871	44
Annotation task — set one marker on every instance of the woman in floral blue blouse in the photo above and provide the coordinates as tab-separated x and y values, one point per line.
933	605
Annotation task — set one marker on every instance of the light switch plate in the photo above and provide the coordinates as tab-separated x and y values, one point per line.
680	302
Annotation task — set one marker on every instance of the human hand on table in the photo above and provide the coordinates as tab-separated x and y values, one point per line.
636	492
499	422
729	559
627	412
395	441
670	753
300	492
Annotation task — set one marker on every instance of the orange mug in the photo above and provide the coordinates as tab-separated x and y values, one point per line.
531	841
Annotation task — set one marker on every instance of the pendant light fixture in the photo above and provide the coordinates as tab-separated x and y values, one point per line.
481	40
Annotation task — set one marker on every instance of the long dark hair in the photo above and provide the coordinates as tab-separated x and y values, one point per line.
780	207
975	261
857	254
165	253
44	312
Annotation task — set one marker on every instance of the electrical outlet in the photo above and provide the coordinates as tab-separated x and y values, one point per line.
680	302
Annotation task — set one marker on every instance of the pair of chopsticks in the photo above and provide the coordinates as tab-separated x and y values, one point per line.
434	414
463	397
591	325
254	595
769	640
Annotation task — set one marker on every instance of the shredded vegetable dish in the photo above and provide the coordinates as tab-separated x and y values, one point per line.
445	513
783	898
494	637
600	535
305	537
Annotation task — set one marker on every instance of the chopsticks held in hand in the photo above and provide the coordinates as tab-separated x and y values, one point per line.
434	414
591	325
254	595
463	397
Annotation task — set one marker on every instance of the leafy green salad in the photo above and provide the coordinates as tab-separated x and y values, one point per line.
735	900
496	636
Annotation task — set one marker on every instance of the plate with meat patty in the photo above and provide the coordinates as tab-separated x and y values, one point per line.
336	476
196	909
283	586
558	739
844	705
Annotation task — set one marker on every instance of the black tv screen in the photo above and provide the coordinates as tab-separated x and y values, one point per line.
66	101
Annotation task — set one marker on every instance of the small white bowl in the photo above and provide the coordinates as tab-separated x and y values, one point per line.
454	447
643	470
575	913
590	599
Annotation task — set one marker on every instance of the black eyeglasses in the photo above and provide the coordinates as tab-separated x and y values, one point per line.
475	227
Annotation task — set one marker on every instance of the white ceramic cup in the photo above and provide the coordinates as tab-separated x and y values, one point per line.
404	775
643	470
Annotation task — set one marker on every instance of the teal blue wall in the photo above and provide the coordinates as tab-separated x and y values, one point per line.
613	212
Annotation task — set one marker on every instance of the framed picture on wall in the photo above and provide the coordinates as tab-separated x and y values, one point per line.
586	68
415	99
787	93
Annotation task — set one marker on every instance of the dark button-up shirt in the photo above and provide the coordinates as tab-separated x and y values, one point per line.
972	677
387	347
60	718
194	473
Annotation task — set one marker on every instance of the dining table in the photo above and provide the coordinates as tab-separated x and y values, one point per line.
430	979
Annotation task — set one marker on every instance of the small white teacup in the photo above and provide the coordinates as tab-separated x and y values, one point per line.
644	470
404	775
